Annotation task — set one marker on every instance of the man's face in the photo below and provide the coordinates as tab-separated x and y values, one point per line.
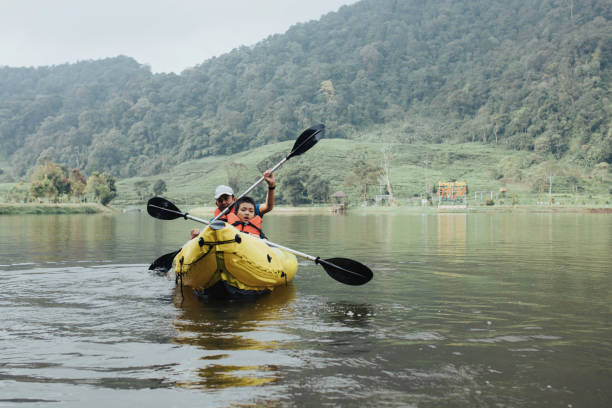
224	201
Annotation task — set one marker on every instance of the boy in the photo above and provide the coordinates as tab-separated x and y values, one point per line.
244	219
224	197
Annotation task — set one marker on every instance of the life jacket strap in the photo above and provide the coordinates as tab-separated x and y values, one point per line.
261	233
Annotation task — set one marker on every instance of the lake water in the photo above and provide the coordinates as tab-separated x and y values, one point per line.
465	310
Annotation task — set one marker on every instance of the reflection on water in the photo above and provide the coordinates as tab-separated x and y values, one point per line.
452	235
221	329
464	310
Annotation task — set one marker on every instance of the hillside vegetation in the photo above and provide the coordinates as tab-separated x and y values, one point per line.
527	76
415	170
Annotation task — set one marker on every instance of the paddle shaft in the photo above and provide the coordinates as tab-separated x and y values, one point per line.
272	244
303	143
338	272
293	251
248	190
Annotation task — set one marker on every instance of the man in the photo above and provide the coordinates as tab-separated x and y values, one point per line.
224	197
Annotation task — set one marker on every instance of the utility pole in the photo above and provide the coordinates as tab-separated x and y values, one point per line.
386	151
550	187
426	162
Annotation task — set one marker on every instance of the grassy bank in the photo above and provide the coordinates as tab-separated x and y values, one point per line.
193	182
278	209
29	208
206	212
532	209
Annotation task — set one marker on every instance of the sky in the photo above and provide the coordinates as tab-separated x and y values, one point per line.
169	36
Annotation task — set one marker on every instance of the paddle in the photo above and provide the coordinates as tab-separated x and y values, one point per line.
164	210
343	270
304	142
164	262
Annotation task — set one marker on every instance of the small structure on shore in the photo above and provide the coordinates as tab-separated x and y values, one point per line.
339	202
452	194
383	199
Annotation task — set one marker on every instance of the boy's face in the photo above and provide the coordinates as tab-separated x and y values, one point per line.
246	211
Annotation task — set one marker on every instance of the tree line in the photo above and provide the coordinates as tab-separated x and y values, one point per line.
530	76
54	183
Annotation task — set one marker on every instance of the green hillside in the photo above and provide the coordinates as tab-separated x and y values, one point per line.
415	170
532	77
192	183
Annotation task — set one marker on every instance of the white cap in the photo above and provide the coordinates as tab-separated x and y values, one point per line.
223	189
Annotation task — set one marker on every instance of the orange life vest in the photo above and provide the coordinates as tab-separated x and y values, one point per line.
218	211
252	226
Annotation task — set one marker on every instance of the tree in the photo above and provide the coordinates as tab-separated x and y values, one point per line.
19	193
102	187
51	180
77	183
543	177
294	192
549	143
159	187
142	188
327	89
601	172
237	176
292	184
365	172
317	188
41	188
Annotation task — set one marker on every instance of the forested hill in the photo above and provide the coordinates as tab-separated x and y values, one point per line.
528	75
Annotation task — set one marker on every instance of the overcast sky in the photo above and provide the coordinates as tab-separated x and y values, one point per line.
167	35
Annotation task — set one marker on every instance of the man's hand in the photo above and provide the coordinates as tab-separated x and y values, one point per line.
194	233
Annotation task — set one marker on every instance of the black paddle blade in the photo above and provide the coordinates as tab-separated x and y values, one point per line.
346	270
306	140
164	263
163	209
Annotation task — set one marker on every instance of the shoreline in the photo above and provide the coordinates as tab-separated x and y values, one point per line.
277	210
287	210
50	208
96	208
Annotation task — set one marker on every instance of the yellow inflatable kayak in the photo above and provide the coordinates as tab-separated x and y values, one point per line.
226	263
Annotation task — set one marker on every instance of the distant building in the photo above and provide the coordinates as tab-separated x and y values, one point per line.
452	192
339	202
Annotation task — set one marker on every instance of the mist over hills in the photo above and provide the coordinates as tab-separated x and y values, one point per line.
530	76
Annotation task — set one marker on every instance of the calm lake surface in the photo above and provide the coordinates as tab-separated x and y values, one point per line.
465	310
